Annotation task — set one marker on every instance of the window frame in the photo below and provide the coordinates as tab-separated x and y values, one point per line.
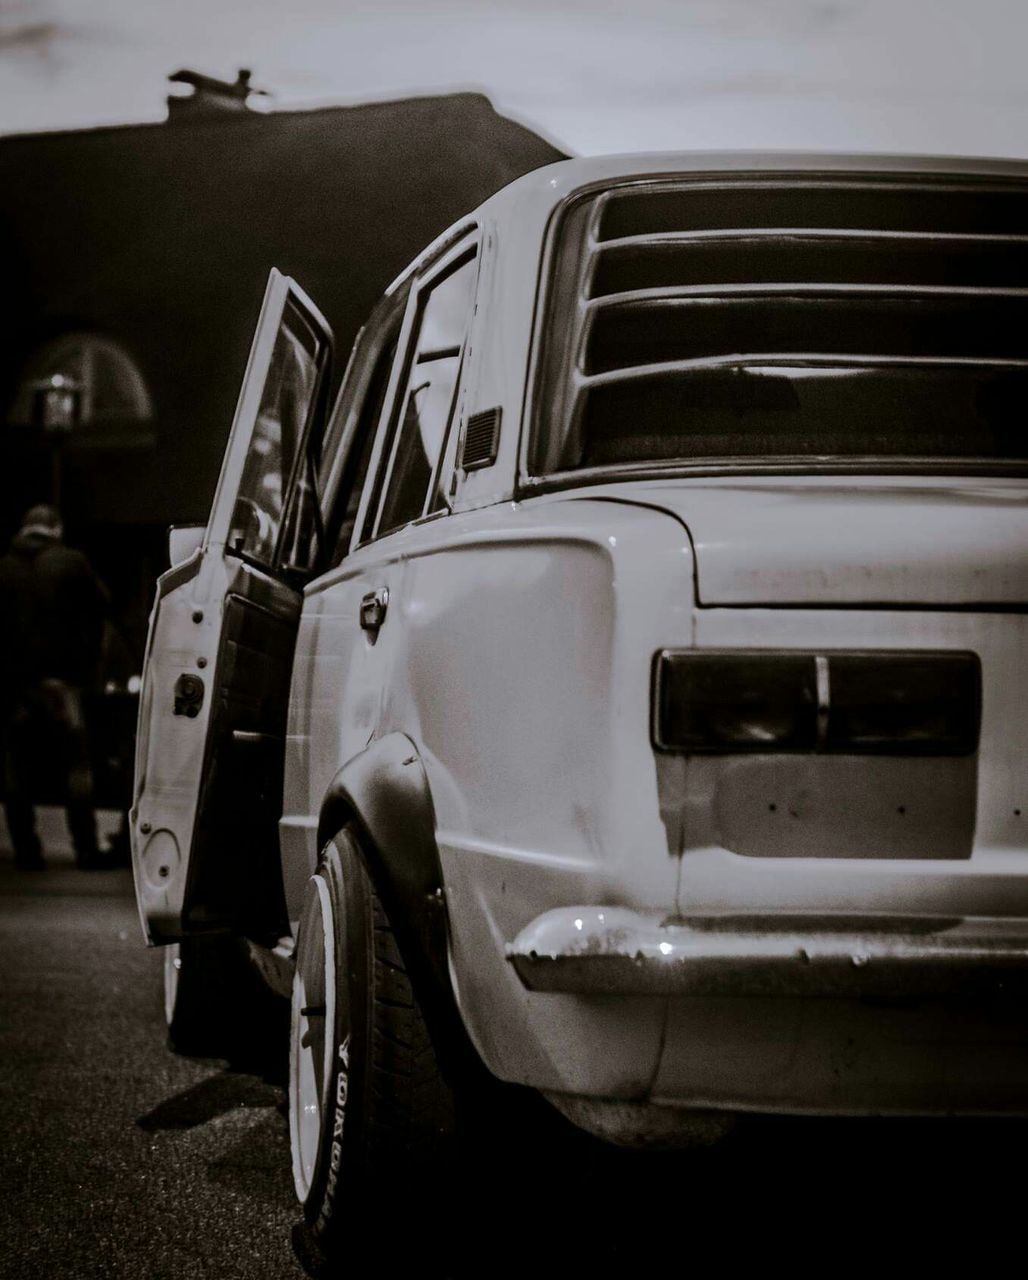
466	245
531	481
303	463
320	331
371	344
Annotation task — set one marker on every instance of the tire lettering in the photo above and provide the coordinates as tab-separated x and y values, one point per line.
335	1155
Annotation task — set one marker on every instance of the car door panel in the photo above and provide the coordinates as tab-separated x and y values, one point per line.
352	615
220	651
343	670
236	855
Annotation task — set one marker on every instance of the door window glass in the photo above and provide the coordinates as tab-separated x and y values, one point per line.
302	538
350	437
357	470
427	401
285	403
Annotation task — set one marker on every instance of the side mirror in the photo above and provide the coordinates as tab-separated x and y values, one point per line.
183	541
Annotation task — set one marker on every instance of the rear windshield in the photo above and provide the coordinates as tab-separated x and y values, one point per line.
787	317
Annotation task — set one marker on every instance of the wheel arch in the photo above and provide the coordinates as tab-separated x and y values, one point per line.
384	792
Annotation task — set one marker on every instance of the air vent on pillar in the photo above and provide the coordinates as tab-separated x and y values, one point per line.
481	440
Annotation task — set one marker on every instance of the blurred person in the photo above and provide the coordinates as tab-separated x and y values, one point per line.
52	607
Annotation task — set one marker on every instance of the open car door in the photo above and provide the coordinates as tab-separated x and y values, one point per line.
212	714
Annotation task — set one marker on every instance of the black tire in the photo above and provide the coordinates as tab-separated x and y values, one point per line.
383	1136
216	1005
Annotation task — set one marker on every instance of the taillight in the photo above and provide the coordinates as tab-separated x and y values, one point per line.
873	703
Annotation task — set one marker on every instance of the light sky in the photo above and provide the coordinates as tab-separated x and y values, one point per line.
944	76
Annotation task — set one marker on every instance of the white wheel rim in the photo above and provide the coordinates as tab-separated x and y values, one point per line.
311	1032
172	968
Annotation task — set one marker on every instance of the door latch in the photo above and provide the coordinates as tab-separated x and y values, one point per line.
373	609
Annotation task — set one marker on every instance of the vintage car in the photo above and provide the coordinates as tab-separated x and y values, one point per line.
621	690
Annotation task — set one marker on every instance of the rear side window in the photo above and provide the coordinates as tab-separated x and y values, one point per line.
787	317
428	398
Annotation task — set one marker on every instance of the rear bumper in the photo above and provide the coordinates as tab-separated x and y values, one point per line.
591	951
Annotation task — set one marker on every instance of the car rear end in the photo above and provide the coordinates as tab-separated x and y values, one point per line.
823	378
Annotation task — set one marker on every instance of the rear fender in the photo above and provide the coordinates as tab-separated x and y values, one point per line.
384	792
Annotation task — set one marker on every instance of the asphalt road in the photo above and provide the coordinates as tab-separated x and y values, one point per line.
120	1159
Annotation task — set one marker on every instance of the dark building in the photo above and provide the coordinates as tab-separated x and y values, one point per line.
136	262
137	259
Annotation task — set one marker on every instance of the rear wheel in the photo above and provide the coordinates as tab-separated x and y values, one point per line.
371	1118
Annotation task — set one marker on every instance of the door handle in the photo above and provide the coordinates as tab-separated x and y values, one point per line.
373	609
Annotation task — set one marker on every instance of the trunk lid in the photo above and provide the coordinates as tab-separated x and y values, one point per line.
840	541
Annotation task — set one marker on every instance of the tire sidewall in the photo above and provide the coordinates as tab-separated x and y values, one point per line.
336	1192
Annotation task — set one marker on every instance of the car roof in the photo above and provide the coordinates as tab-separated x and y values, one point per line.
555	181
543	189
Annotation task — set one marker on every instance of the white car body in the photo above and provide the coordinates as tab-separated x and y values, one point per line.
642	933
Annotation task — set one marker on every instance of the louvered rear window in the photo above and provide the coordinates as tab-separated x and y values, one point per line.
788	317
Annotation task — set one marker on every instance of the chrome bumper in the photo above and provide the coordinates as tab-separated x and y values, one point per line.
614	951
